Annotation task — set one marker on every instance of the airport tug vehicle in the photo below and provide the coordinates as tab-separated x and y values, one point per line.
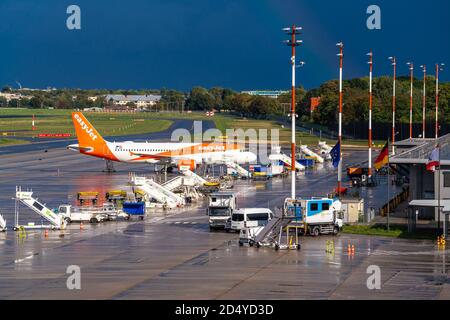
314	216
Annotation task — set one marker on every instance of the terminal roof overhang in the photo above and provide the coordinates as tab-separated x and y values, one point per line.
419	151
445	204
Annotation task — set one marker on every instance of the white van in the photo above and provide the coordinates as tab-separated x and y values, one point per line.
250	218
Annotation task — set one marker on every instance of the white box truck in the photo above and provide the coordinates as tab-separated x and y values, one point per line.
220	208
321	215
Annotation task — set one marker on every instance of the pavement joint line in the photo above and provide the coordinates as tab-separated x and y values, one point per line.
49	249
251	275
164	272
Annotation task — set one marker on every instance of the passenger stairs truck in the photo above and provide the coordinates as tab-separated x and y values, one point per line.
325	150
235	169
26	197
157	192
286	160
313	216
304	149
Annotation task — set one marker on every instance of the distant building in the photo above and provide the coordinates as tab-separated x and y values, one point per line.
274	94
14	96
141	101
93	109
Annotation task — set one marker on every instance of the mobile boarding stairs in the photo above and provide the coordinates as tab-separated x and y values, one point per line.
26	198
164	193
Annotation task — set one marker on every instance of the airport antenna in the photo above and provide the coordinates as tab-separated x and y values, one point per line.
439	67
293	31
394	65
411	75
341	64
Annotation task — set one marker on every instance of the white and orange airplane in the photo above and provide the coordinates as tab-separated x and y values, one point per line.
91	143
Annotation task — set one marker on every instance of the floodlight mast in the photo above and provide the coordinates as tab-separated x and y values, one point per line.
411	75
340	45
394	64
293	31
439	67
370	54
424	99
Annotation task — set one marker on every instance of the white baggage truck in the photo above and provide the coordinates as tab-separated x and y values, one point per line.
220	208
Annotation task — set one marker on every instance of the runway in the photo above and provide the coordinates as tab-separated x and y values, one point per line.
47	144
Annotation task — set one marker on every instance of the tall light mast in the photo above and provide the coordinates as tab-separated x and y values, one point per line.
370	54
394	64
341	63
293	43
439	67
424	100
411	75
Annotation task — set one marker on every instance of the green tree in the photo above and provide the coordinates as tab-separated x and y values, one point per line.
200	99
3	102
37	102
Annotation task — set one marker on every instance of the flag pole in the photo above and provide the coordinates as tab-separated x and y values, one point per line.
388	192
439	194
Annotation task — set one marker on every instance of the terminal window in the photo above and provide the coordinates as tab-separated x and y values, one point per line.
447	180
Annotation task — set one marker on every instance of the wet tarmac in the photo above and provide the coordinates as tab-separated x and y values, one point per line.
172	255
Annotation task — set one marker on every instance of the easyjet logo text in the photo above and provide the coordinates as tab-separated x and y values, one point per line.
85	127
211	148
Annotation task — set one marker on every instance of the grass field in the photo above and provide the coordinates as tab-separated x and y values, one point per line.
396	231
17	122
224	122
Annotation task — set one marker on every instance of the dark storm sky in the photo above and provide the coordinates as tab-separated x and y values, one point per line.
231	43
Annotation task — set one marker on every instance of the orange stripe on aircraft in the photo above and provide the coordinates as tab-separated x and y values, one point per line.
188	151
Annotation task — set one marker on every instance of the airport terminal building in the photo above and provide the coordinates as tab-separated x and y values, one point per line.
410	159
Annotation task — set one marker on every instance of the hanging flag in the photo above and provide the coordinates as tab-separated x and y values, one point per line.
434	160
335	154
383	158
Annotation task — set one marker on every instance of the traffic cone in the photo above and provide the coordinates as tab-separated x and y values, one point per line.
81	226
353	249
45	233
349	249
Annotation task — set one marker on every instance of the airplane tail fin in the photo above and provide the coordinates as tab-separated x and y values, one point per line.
86	134
89	140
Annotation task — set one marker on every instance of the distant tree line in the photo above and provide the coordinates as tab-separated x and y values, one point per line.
356	102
